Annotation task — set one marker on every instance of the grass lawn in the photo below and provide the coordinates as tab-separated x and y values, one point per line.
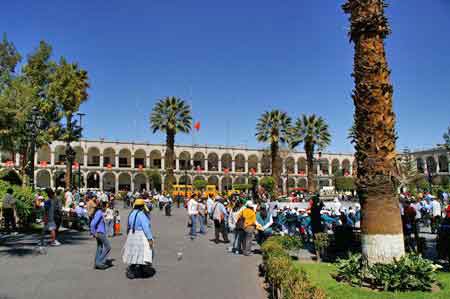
319	275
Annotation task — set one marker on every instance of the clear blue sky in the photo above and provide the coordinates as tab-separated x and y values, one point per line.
234	59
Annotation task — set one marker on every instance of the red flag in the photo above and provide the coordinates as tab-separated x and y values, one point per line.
197	126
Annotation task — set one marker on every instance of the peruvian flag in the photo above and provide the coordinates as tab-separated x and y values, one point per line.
253	171
226	170
197	126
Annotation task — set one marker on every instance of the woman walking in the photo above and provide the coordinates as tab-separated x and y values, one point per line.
138	250
109	220
98	230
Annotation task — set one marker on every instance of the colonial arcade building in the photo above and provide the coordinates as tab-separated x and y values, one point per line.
113	166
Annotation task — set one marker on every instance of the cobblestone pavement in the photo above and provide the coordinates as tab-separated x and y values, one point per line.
206	270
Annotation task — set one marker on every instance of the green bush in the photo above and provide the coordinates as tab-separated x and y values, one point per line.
24	197
410	273
242	187
200	184
288	242
272	248
268	183
296	285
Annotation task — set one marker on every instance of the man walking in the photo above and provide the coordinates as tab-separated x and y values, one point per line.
51	207
209	208
249	216
220	215
192	207
9	205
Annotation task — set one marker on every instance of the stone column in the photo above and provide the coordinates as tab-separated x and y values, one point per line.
219	165
132	162
246	166
233	166
284	184
163	163
295	168
117	161
283	166
147	162
100	181
17	159
177	164
52	180
147	184
85	158
102	161
259	167
85	179
219	184
35	159
132	182
436	158
206	165
52	158
116	182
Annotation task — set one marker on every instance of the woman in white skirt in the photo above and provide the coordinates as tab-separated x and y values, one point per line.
138	250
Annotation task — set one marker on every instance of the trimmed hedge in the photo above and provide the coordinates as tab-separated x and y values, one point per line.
25	198
286	280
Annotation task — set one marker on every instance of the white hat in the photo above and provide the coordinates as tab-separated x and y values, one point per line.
250	204
81	204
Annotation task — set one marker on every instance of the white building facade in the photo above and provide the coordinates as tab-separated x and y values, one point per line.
434	160
113	166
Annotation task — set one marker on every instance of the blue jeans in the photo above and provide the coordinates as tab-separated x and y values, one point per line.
193	225
103	249
109	228
202	224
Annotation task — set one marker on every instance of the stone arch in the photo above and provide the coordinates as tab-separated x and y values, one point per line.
346	167
291	182
185	180
109	182
59	178
213	162
93	180
7	156
140	182
43	178
185	160
420	165
301	165
324	166
239	163
335	166
79	155
253	162
155	159
290	165
109	157
60	155
124	158
213	180
124	181
227	183
302	183
93	157
443	163
266	163
199	160
44	154
240	180
431	164
226	161
140	157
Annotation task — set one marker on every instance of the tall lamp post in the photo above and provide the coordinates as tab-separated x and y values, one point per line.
34	124
80	125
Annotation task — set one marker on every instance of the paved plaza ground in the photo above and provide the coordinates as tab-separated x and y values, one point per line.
206	270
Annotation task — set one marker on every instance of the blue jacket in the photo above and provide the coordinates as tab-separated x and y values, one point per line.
141	222
98	223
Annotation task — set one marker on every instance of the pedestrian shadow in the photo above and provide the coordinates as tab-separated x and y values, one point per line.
24	245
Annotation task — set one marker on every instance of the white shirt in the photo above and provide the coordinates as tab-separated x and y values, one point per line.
69	199
209	205
192	207
436	208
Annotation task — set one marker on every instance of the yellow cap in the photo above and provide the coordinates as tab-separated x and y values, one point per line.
140	202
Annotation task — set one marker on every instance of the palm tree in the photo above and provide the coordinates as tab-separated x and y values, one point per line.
274	127
313	132
170	115
381	226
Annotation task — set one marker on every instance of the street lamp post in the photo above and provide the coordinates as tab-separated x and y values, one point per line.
80	115
34	124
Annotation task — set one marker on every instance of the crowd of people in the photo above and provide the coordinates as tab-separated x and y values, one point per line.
243	217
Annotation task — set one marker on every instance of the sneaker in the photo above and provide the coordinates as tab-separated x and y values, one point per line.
55	243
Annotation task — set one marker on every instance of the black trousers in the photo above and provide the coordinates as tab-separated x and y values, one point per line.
219	228
10	220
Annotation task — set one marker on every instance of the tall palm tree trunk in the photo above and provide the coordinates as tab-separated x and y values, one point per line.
381	226
276	165
169	159
309	149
